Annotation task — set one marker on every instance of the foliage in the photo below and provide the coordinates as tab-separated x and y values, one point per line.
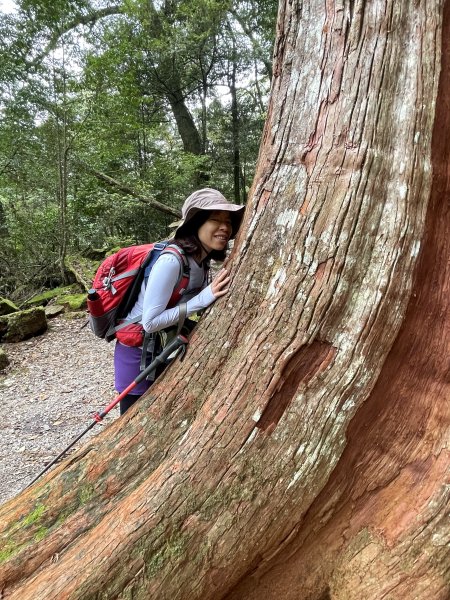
138	91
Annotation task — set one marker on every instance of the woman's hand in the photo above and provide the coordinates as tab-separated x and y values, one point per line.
219	285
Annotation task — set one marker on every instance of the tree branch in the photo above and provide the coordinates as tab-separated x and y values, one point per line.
255	43
89	19
127	190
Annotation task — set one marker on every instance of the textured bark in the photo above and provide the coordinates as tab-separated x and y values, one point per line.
295	426
379	528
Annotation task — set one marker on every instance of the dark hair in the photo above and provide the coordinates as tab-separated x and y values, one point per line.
187	237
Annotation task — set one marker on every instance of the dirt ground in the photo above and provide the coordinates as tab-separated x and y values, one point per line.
48	393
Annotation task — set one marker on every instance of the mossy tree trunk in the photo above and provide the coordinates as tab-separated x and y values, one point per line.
308	418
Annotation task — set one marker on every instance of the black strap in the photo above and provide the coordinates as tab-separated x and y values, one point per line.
148	347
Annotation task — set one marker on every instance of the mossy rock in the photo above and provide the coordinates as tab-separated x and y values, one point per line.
4	360
49	295
123	244
112	251
74	302
23	324
3	326
7	306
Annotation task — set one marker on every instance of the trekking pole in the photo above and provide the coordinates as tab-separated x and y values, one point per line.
178	342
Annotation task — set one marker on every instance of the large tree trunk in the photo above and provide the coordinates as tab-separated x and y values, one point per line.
295	425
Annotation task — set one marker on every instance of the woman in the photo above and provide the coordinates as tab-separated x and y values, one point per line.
208	222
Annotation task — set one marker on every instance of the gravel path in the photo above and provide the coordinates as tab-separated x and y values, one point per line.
48	394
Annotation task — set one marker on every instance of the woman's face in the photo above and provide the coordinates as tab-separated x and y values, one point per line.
215	231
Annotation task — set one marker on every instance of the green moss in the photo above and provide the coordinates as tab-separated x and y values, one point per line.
73	302
7	306
86	267
34	516
173	548
63	516
8	551
85	494
40	534
23	324
122	244
11	549
226	496
45	297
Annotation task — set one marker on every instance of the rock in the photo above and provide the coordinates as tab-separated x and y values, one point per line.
74	302
7	307
23	324
84	269
44	298
4	360
53	310
3	326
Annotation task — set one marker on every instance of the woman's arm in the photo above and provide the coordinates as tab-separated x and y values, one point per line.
161	282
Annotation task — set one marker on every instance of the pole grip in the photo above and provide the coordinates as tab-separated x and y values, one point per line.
172	346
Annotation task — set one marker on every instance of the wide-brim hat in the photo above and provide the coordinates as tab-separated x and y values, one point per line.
209	199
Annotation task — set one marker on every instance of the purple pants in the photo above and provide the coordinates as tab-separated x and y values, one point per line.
127	362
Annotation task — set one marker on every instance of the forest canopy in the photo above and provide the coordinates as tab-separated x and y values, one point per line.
107	108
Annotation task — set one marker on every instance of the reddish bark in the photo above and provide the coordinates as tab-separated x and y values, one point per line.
380	529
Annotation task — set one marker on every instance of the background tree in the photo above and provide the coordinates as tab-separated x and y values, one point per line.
310	407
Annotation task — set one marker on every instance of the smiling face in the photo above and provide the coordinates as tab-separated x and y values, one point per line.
215	231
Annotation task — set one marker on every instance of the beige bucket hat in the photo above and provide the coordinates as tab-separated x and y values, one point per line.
209	199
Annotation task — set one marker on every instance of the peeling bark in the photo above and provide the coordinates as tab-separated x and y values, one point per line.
295	418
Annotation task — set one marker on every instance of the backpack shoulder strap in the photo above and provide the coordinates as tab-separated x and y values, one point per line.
152	257
180	254
185	271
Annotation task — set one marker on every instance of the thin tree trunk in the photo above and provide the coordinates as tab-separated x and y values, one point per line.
63	149
259	95
235	122
203	97
142	142
228	456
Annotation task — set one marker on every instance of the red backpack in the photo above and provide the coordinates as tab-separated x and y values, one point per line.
117	284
